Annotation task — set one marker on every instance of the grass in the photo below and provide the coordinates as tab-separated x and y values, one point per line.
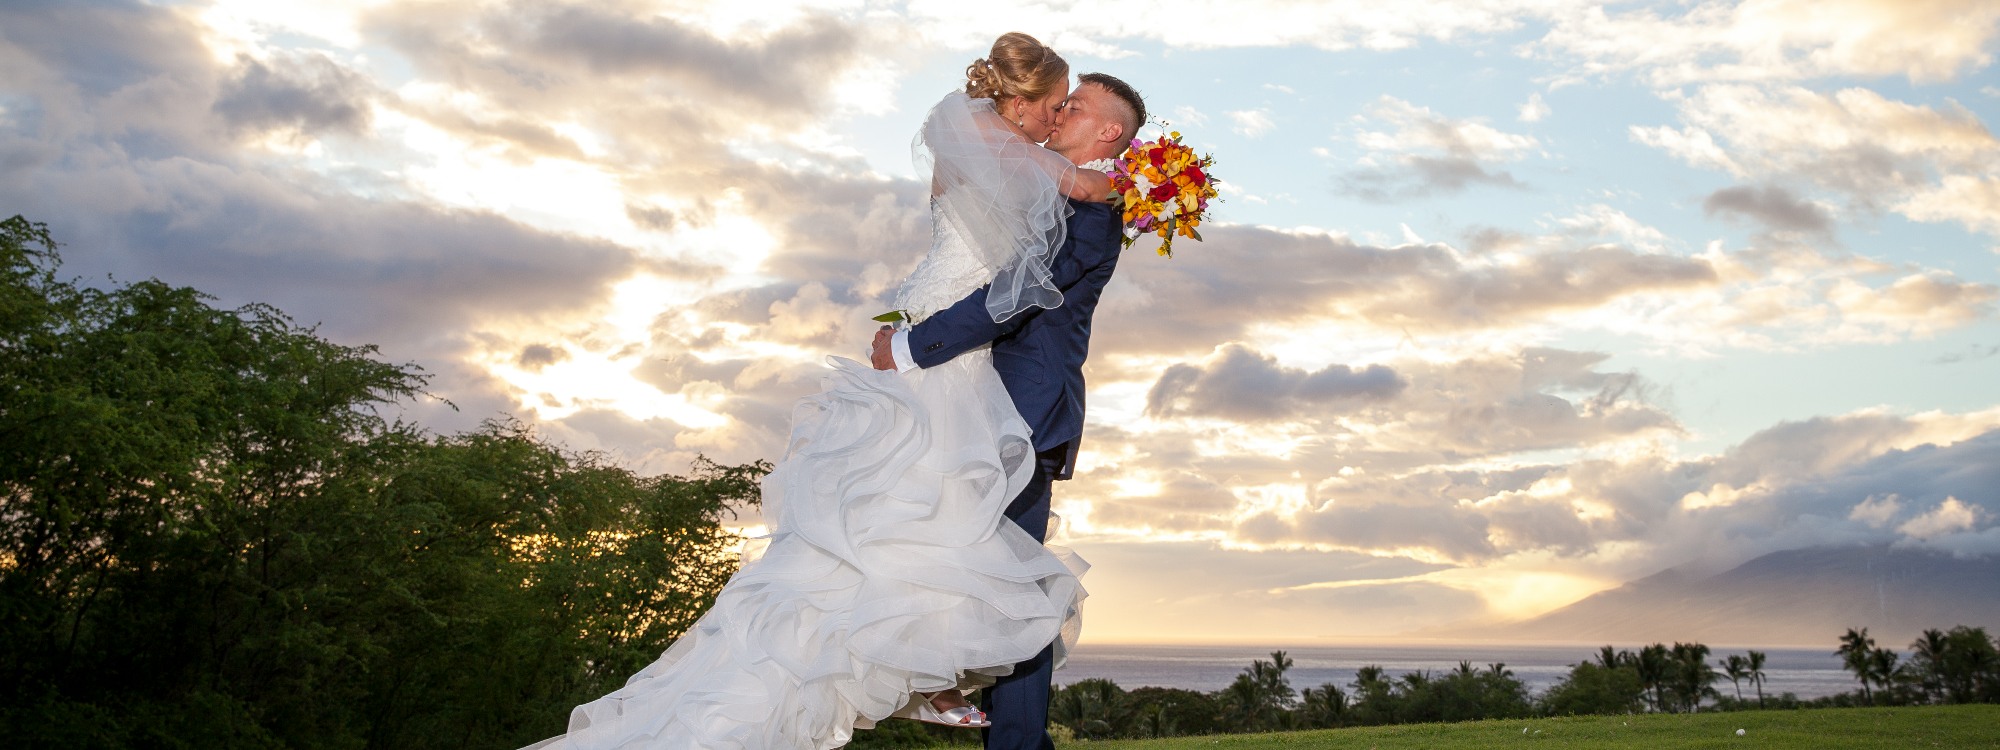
1973	726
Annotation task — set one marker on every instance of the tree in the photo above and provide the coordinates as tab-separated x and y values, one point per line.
1374	700
212	538
1854	651
1261	698
1323	707
1691	676
1655	670
1092	708
1971	670
1928	652
1754	669
1736	668
1592	688
1882	670
1168	712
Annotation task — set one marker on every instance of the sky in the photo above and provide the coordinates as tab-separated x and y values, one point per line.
1506	302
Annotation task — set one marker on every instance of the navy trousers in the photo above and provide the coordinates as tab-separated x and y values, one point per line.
1018	704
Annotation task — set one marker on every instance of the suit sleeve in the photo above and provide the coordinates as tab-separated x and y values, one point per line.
1093	239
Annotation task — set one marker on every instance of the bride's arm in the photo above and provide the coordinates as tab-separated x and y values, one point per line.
1090	185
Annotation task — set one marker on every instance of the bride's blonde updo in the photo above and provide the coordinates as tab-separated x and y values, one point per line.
1017	66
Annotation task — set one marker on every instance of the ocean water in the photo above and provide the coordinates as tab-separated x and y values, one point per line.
1809	673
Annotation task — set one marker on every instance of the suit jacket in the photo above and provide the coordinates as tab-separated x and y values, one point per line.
1039	353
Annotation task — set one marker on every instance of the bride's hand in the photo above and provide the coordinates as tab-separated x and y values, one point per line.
1091	186
879	355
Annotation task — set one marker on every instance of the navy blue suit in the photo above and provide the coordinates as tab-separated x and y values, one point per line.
1039	354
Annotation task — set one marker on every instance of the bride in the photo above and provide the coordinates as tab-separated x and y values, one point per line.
890	578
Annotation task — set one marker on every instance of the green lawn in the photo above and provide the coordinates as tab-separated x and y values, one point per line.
1929	726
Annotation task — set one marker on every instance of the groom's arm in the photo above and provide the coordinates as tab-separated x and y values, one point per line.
966	324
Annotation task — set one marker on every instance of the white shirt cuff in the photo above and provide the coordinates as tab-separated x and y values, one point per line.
899	348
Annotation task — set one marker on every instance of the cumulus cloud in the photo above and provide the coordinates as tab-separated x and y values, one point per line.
1771	206
1330	26
1534	110
1241	384
299	93
1928	163
1777	40
1426	153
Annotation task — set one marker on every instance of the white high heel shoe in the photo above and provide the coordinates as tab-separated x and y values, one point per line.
920	709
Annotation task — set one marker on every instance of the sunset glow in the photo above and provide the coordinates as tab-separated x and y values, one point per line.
1506	302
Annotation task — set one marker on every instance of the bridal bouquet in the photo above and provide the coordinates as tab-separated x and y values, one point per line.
1166	188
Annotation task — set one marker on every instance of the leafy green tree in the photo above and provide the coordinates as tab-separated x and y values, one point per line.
1169	712
1971	666
210	537
1593	688
1092	708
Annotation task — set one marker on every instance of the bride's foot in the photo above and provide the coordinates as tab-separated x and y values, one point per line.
949	700
948	708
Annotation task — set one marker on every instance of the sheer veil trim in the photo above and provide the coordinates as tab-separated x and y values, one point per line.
1004	196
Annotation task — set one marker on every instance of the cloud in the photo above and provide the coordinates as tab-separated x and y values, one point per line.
1335	26
1241	384
1928	163
1773	207
1777	40
300	93
1251	123
1426	153
1948	517
1534	110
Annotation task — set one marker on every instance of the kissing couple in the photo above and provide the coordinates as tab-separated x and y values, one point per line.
906	563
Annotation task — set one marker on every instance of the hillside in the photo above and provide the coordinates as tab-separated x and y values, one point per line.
1798	597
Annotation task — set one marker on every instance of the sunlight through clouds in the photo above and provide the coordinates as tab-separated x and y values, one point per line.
1508	302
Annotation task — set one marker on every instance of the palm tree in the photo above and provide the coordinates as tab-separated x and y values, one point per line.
1755	667
1854	649
1691	675
1653	666
1610	658
1737	668
1882	669
1324	707
1929	652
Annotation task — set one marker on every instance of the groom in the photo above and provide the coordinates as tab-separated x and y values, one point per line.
1039	354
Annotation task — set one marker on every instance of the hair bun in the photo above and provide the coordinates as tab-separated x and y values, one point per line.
981	82
1017	66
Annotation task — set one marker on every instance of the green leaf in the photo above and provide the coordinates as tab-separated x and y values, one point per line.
890	316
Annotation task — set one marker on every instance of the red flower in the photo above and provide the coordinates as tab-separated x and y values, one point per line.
1162	192
1193	172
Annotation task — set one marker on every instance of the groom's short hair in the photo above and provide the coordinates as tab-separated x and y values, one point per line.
1135	105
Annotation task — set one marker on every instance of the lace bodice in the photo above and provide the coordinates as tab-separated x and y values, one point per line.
948	272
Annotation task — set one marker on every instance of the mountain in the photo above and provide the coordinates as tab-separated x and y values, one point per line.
1805	597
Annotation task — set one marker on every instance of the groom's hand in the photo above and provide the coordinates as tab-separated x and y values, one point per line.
879	355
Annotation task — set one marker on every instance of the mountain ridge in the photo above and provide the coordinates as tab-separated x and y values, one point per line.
1802	597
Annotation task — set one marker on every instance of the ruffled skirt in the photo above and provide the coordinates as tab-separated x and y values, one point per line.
890	569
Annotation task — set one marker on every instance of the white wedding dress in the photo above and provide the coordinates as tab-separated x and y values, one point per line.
889	568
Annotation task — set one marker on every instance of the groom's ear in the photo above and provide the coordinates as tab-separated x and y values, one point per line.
1112	132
